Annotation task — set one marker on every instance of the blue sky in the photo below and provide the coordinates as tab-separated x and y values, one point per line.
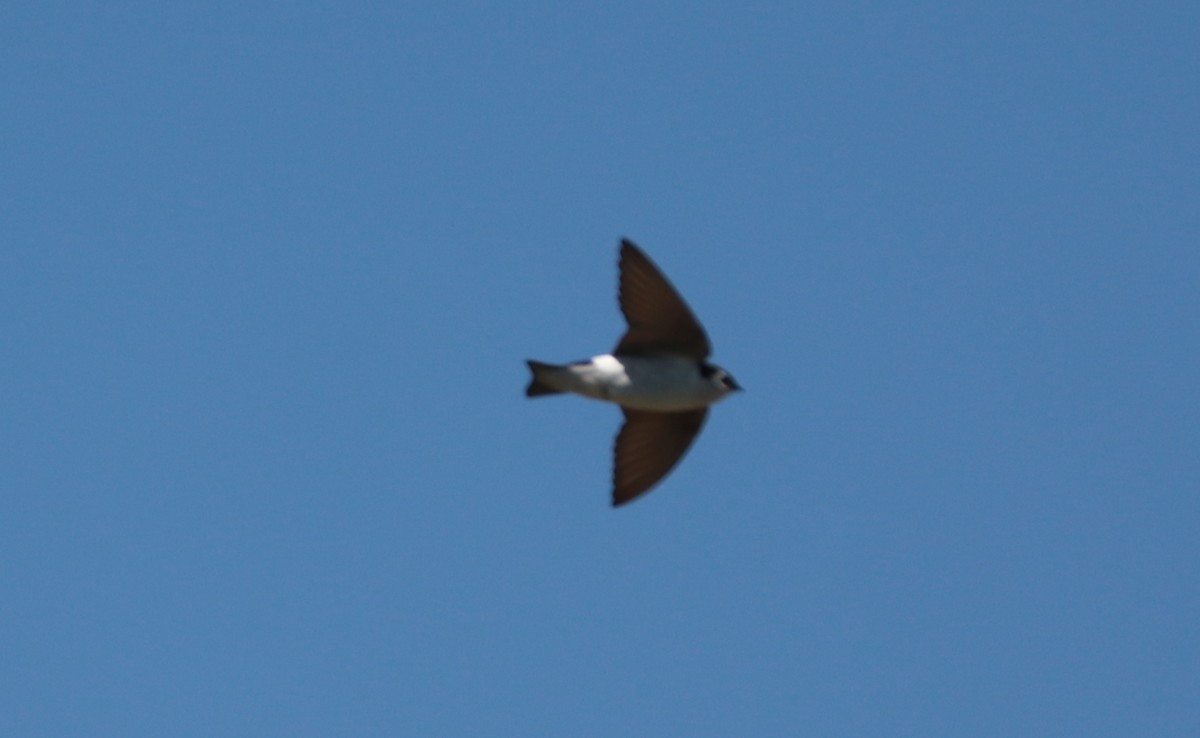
270	272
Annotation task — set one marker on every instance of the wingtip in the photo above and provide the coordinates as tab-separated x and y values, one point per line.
619	501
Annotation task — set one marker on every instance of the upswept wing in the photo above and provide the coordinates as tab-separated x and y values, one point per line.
660	322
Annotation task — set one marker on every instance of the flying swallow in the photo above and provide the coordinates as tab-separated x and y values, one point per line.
658	373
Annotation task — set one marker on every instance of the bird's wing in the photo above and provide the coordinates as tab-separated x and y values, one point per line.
648	446
660	322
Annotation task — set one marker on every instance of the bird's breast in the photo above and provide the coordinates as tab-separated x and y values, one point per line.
657	384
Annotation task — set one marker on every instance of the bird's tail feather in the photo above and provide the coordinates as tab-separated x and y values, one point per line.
537	386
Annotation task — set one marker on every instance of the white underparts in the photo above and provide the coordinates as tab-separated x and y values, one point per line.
657	384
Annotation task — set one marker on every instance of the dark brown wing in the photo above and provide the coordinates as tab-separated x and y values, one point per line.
660	322
648	446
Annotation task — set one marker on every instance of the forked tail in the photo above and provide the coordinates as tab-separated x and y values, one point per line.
537	385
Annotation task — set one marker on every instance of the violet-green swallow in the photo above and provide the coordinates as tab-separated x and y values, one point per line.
658	374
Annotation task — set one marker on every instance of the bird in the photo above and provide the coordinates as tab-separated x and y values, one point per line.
658	374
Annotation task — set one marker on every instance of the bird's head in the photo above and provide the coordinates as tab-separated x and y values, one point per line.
720	378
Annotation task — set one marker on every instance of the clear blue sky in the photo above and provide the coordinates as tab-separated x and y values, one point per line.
269	273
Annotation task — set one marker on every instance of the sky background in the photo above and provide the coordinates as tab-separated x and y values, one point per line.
269	273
